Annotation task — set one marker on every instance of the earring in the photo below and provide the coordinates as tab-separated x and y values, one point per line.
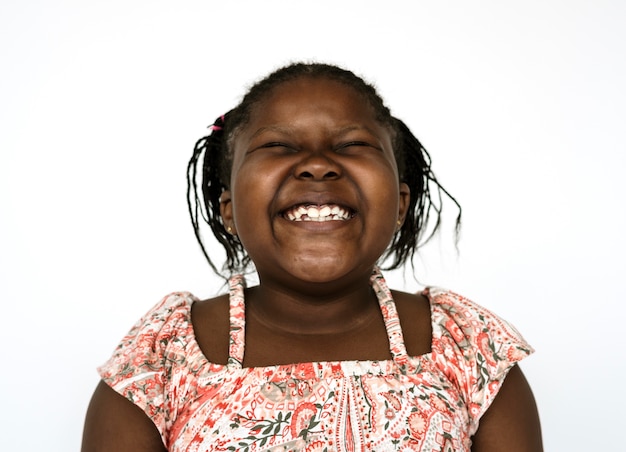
399	225
229	229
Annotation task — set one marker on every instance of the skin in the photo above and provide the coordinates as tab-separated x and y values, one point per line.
313	141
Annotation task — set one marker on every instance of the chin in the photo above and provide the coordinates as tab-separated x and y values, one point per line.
323	270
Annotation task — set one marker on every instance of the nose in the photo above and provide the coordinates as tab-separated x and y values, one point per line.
317	166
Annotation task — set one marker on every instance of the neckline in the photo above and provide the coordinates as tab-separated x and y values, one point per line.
236	348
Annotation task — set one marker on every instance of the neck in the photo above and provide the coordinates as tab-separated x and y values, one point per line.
319	309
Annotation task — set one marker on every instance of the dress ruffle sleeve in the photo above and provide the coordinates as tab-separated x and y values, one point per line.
142	366
474	348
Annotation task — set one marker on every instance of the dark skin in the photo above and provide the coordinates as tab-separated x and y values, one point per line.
314	142
115	424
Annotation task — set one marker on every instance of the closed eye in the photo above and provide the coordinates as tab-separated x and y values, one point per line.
274	145
357	144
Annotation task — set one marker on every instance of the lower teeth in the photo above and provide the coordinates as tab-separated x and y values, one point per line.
318	219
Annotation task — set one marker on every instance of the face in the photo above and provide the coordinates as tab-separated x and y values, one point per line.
314	191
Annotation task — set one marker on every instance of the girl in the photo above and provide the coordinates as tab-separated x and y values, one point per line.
312	181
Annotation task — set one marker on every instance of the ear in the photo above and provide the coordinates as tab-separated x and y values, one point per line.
226	212
403	204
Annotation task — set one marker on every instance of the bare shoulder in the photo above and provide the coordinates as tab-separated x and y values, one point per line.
511	423
415	320
114	424
210	320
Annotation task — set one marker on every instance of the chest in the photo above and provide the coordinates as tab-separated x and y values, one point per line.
345	406
265	346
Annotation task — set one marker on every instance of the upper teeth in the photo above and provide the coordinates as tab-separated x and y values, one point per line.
317	213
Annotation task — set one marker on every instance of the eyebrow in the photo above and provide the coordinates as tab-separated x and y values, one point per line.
285	130
349	129
289	130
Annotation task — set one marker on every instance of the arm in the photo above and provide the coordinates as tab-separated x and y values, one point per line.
511	423
115	424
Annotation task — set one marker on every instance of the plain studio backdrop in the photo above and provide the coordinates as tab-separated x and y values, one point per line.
522	106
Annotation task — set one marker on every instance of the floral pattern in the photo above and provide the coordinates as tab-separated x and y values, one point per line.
431	402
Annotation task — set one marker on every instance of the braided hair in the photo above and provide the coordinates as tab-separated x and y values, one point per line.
213	156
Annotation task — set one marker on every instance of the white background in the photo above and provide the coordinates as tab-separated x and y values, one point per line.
522	106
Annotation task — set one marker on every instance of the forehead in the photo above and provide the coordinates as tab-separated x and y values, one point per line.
313	94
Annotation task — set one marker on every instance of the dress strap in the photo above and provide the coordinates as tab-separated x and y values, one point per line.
387	305
237	333
390	315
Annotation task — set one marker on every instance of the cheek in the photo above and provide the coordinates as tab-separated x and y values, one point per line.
252	192
381	186
384	202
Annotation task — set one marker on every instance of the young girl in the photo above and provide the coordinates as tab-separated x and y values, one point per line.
313	182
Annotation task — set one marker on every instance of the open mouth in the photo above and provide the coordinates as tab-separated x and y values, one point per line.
320	213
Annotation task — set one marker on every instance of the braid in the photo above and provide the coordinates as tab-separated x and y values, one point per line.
423	218
212	151
414	167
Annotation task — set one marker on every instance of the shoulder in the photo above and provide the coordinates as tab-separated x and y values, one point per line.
155	364
171	313
474	348
141	364
174	306
145	344
469	324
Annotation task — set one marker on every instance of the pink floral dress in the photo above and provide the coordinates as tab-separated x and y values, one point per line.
431	402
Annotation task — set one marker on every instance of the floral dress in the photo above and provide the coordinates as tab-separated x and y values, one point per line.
431	402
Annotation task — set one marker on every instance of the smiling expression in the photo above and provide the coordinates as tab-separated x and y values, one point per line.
314	190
